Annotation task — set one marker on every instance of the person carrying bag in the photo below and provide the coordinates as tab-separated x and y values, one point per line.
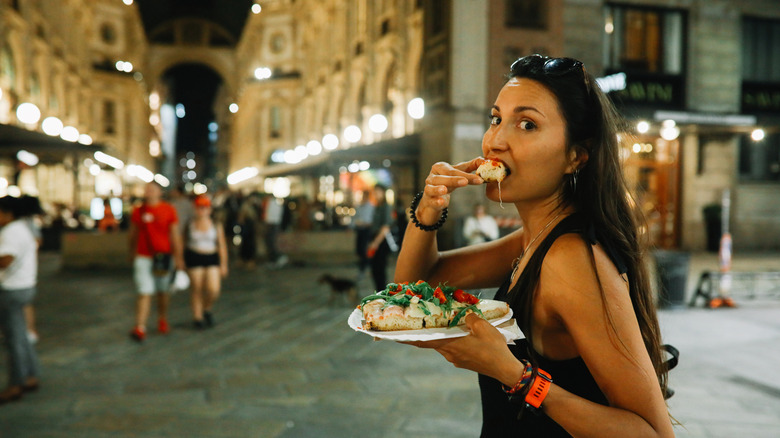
156	245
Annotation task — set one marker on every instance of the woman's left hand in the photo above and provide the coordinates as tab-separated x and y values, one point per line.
484	350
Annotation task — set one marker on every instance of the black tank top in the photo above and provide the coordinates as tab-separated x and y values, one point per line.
503	419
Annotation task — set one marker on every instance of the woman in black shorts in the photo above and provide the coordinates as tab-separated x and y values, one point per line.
205	255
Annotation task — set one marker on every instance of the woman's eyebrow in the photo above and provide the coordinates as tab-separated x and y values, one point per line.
520	109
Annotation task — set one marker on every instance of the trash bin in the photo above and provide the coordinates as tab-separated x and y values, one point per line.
672	274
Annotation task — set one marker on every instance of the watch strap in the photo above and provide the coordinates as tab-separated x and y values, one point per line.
538	389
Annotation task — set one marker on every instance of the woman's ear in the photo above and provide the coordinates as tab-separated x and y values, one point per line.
578	158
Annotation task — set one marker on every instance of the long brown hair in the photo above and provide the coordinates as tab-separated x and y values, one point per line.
600	194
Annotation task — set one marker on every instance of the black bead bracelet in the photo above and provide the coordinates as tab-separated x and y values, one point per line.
413	215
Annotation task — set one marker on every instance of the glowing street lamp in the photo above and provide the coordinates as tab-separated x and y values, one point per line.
416	108
330	142
377	123
52	126
352	134
28	113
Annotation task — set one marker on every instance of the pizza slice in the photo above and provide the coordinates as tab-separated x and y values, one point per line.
492	170
404	306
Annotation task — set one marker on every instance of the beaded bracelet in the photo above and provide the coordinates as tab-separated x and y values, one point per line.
413	215
521	387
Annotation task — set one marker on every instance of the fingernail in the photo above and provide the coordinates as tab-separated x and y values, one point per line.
463	182
478	180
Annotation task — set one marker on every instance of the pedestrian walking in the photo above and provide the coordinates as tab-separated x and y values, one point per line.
182	202
378	248
273	215
18	280
108	222
364	217
155	243
206	257
590	363
30	213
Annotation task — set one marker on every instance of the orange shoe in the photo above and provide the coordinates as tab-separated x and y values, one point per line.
138	335
162	326
728	302
715	303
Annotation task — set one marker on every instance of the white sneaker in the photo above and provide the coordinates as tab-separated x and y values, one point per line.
32	337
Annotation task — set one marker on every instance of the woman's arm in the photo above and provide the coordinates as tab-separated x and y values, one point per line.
569	320
484	265
604	331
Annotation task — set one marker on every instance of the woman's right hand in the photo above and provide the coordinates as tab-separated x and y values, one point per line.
443	179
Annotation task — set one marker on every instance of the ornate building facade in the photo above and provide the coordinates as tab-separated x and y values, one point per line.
321	99
61	57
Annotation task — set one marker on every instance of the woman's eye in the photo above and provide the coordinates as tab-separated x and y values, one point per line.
527	125
495	120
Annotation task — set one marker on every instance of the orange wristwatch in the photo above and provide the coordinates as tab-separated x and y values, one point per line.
538	389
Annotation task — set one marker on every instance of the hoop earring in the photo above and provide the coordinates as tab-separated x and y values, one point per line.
573	180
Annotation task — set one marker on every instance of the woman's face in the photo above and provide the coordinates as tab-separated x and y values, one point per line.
202	210
527	133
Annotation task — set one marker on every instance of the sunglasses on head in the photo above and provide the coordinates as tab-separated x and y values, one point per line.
536	64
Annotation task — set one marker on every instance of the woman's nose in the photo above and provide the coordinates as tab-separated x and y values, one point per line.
494	140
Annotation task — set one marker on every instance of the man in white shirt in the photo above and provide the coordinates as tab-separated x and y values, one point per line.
18	279
273	215
481	227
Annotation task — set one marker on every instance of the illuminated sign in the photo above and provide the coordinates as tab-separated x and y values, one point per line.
760	97
645	89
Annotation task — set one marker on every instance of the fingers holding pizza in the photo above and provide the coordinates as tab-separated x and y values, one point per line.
477	351
443	179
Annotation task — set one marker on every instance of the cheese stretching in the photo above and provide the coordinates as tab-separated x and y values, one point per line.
492	171
412	307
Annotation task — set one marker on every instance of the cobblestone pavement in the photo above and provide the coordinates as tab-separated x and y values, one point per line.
282	363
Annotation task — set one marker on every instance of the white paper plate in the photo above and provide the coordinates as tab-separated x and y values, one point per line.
508	327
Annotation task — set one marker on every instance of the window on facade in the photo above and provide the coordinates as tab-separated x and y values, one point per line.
526	13
438	17
760	56
276	122
35	85
759	161
644	40
109	117
108	33
7	68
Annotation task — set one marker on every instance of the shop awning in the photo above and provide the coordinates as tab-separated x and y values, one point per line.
49	149
397	150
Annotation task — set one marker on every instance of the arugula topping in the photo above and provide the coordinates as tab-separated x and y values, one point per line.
462	313
443	296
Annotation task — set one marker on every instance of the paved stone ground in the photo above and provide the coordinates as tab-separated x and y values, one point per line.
280	363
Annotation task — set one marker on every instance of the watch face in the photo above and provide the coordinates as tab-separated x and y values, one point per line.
277	43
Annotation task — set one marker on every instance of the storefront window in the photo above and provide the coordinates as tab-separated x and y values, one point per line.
760	57
759	161
644	40
276	122
652	170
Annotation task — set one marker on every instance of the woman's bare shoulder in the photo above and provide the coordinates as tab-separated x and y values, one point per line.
569	268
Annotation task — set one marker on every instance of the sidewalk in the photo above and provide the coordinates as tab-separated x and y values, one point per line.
281	364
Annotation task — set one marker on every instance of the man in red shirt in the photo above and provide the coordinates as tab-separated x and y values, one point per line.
154	234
